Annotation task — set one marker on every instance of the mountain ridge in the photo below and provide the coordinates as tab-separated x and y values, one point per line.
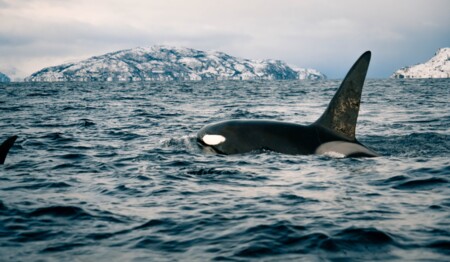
162	63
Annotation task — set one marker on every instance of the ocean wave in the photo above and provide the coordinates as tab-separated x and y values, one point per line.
62	247
39	185
426	183
72	212
358	239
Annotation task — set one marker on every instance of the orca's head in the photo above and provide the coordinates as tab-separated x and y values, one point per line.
218	137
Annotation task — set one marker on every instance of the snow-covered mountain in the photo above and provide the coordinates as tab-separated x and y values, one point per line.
437	67
4	78
170	63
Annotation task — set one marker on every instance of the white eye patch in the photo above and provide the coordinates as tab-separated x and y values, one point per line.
213	140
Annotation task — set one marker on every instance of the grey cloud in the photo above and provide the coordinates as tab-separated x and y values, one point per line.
326	35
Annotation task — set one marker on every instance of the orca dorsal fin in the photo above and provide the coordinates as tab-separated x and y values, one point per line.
4	148
342	113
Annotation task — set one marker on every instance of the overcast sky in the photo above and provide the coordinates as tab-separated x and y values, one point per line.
327	35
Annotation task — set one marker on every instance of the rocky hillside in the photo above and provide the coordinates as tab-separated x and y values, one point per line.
171	63
437	67
4	78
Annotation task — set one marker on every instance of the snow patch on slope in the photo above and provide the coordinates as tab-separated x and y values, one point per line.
437	67
4	78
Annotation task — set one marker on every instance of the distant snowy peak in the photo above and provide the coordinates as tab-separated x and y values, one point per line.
4	78
171	63
437	67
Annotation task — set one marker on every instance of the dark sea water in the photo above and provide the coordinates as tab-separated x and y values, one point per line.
112	172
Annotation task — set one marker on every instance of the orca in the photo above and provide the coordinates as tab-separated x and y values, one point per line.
4	148
332	134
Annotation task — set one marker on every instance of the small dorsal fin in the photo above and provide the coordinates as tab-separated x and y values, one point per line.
4	148
342	113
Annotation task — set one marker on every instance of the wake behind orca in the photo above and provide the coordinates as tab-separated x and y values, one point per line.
332	133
